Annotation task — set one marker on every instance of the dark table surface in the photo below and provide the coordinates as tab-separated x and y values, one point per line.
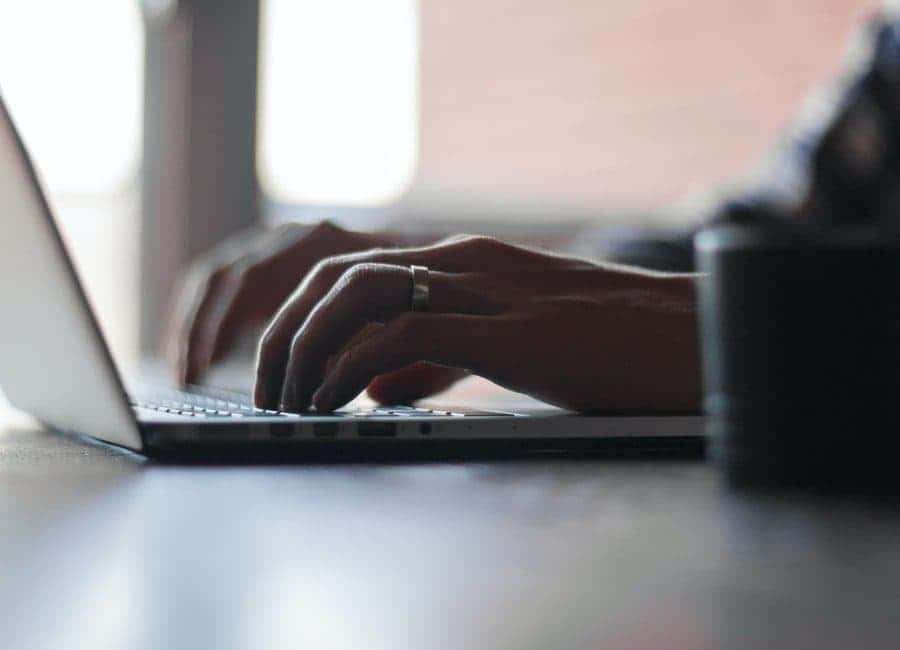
100	548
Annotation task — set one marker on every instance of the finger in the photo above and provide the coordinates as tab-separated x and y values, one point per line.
365	294
460	341
202	297
462	254
412	383
220	308
178	327
379	296
240	293
197	297
367	331
236	308
209	338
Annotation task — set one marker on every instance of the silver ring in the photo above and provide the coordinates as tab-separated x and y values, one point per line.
421	294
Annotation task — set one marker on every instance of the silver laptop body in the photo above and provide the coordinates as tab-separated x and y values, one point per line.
55	365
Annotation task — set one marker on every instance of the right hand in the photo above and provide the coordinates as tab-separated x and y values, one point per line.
238	286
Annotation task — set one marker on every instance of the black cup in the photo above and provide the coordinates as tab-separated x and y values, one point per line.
800	331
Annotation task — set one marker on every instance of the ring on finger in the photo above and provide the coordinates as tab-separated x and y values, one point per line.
421	288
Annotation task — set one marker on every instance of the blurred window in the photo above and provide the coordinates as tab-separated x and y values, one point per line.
72	74
338	102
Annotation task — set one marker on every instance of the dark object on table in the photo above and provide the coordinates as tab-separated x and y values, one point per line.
801	346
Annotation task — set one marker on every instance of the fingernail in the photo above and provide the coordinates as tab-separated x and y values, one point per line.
322	399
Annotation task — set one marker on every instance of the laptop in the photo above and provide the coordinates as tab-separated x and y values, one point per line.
55	365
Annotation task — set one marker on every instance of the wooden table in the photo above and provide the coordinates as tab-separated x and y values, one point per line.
100	548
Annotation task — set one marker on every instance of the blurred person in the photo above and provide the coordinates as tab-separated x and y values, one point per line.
578	333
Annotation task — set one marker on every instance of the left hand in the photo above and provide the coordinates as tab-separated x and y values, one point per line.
577	334
238	286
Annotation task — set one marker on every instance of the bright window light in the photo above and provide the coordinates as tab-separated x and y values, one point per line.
338	100
71	72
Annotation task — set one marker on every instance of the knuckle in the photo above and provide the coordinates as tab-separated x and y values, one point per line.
266	342
322	232
477	244
320	277
254	271
209	273
318	269
483	242
202	272
231	284
358	276
296	350
329	269
296	344
238	275
326	226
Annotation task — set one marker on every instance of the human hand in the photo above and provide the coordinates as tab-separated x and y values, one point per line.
573	333
240	284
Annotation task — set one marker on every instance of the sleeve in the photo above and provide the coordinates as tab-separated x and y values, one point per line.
839	162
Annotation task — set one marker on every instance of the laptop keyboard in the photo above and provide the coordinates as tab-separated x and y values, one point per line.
204	402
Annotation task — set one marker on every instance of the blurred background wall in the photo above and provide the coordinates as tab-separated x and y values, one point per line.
613	103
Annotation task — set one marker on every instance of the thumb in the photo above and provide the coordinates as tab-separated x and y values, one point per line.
413	382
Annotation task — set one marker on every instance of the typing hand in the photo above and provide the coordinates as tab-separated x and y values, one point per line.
577	334
240	284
